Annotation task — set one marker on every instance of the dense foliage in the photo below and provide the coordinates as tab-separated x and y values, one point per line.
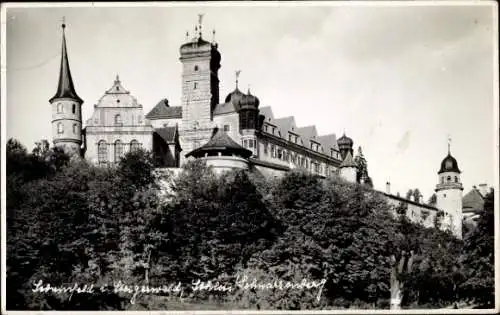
71	222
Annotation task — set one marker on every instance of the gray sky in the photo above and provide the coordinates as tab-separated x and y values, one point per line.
398	79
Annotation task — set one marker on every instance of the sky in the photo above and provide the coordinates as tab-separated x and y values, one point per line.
398	79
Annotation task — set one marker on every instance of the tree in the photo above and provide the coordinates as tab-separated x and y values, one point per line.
432	200
360	161
478	259
409	194
416	195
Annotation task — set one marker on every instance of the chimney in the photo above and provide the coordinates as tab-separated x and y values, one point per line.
483	189
388	187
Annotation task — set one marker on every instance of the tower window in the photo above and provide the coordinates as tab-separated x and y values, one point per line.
195	86
74	129
456	179
196	68
118	150
118	119
59	108
448	178
74	108
102	152
60	128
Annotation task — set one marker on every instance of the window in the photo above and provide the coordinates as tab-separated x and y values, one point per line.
60	128
226	128
442	180
251	144
134	145
196	68
456	179
118	119
448	178
74	108
280	154
265	128
118	150
273	151
265	148
102	152
195	86
59	108
74	128
290	137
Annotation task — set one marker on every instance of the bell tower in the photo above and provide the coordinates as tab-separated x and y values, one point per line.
66	108
449	194
200	89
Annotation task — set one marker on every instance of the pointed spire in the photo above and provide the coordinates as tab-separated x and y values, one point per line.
237	74
65	88
449	145
200	19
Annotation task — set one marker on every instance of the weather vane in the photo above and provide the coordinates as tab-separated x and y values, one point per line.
63	20
449	144
200	19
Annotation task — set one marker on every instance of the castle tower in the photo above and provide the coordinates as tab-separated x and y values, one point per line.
200	90
248	116
348	168
66	109
345	146
449	194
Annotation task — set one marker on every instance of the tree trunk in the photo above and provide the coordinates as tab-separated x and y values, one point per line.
396	290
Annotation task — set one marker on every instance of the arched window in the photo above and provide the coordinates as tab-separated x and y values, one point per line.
102	151
75	126
118	119
59	108
74	108
118	150
196	68
134	145
60	128
448	178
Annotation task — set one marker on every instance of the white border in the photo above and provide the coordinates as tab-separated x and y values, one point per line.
496	143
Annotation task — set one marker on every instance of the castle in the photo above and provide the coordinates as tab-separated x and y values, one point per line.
234	134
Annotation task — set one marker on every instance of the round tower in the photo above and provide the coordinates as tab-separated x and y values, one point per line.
66	109
249	116
348	168
449	194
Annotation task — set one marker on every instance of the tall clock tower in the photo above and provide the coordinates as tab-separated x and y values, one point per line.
200	90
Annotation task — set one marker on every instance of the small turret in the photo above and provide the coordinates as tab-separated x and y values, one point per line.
348	168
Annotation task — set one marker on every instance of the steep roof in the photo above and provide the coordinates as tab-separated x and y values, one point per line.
473	201
307	134
286	124
167	133
65	87
220	142
226	108
328	141
348	161
163	111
